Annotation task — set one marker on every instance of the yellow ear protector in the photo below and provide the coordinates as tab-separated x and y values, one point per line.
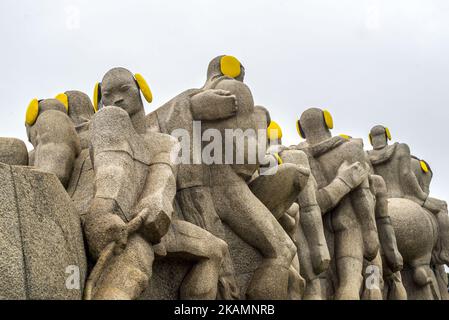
33	108
424	166
387	134
97	96
328	120
230	66
274	131
32	112
141	83
62	97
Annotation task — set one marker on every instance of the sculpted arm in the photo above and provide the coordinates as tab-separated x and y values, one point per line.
348	178
155	206
213	104
409	181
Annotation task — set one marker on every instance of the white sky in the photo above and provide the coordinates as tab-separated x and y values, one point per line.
368	61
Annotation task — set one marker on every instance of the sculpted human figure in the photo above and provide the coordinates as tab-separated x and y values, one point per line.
424	174
131	211
392	262
407	206
225	102
53	136
302	221
345	197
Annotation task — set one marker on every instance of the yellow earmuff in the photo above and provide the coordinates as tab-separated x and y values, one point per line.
299	130
96	97
274	131
387	132
32	112
62	97
424	166
144	87
370	137
328	119
230	66
345	136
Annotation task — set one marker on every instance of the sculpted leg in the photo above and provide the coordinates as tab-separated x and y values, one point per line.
198	208
362	200
313	283
348	253
442	248
190	242
387	237
127	276
255	224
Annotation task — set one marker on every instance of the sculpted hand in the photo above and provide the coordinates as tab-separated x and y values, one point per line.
352	175
102	227
155	219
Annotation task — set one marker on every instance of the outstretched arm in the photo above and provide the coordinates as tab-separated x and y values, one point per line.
213	104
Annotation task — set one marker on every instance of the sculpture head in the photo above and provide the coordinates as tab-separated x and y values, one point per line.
37	107
423	173
379	136
226	66
121	88
314	125
81	109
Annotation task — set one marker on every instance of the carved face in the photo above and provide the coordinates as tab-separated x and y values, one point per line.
379	137
120	89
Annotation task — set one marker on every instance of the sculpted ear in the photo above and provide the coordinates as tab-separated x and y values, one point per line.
62	97
97	96
230	66
32	112
144	87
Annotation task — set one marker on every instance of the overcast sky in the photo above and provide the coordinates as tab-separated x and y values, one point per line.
368	62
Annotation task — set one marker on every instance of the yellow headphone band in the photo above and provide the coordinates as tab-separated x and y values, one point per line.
230	66
141	83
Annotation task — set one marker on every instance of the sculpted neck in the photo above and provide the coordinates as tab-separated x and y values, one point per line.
139	121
